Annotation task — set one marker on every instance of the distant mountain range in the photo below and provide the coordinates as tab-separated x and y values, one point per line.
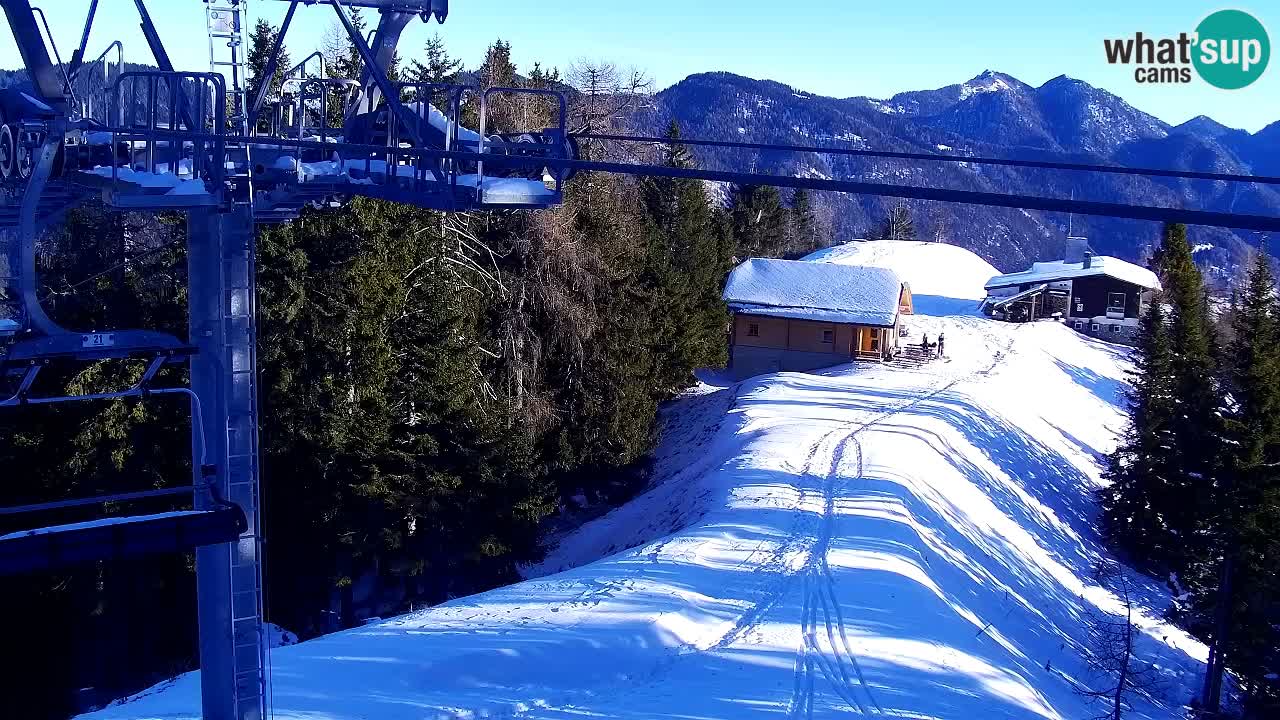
997	115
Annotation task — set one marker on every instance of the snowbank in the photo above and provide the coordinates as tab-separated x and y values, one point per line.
932	269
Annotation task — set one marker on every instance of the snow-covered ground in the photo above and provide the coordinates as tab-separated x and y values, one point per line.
868	540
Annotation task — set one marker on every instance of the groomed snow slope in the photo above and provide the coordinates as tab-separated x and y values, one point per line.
871	540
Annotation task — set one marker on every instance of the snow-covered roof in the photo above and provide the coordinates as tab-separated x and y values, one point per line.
1062	270
825	292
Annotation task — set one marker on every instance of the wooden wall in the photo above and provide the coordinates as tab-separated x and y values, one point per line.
784	334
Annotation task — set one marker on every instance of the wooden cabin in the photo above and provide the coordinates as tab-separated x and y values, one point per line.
798	316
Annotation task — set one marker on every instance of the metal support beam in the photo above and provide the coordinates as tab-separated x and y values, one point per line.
273	64
29	230
46	77
386	38
223	375
77	57
378	74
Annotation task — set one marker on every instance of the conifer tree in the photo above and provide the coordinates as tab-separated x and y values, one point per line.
759	221
1143	464
439	67
1196	425
261	40
691	262
803	223
1247	507
1163	472
498	70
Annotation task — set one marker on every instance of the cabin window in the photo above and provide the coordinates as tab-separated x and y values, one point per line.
1080	326
1115	302
1079	306
753	329
829	336
1115	328
1095	327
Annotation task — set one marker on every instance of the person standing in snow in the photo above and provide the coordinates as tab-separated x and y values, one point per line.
924	342
942	339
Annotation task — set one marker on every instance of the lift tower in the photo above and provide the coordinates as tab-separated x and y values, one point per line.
163	140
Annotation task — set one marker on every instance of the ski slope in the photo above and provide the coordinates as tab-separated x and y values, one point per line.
870	540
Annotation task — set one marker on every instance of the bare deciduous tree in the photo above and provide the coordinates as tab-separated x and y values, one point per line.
1119	674
607	94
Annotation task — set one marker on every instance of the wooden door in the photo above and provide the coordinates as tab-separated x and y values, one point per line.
866	339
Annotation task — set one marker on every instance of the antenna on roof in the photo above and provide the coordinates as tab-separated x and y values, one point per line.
1077	247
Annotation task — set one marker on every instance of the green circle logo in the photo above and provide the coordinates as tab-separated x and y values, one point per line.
1233	49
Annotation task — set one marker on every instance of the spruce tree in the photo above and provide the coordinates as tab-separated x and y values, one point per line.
1143	466
1247	517
261	40
803	223
690	262
1197	427
1163	473
439	68
759	221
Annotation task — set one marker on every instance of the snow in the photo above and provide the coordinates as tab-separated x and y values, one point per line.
873	540
1201	247
189	187
1061	270
162	178
438	121
942	147
944	278
815	291
9	327
988	82
886	108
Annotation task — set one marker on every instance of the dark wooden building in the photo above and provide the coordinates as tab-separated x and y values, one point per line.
1097	295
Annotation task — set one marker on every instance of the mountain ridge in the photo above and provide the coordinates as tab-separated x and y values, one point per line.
992	114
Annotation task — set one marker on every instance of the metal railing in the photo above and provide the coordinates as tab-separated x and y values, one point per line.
176	122
551	143
101	94
170	131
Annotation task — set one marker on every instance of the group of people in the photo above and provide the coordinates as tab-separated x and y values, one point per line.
930	348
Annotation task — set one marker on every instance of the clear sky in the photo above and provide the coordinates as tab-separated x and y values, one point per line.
831	47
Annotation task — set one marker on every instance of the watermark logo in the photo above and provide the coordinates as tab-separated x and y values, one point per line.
1229	49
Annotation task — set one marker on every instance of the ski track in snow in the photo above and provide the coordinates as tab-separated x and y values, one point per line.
877	541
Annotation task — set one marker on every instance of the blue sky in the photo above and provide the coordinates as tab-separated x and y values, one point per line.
831	47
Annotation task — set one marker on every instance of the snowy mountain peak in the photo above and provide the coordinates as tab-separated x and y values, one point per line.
989	81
